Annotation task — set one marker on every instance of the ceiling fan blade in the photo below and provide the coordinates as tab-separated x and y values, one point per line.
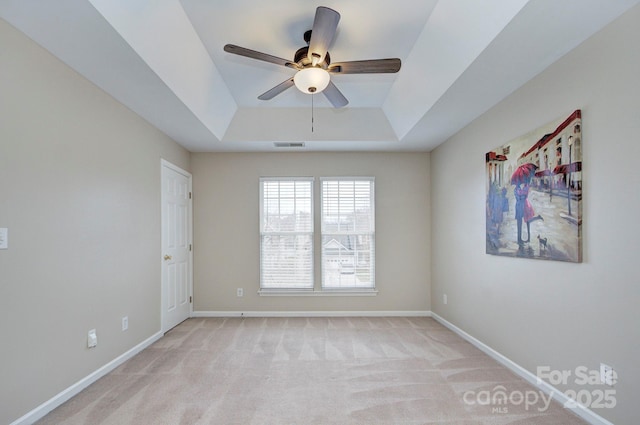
270	94
335	96
253	54
322	33
373	66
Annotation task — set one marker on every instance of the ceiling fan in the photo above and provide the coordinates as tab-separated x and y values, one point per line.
313	63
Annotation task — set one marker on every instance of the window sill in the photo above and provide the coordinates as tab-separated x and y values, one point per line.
323	293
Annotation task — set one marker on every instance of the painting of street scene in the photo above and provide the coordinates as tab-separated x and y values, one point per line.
534	194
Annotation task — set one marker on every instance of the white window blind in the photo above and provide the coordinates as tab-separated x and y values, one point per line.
348	233
286	233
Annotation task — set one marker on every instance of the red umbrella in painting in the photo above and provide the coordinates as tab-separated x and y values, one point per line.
523	174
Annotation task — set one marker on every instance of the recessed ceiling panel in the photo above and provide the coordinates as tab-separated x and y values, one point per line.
366	31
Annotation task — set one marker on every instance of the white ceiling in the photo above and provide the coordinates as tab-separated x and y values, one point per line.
164	59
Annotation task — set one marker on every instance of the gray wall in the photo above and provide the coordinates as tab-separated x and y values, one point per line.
80	194
226	239
544	313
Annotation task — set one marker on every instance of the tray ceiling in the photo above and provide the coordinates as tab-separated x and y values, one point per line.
165	61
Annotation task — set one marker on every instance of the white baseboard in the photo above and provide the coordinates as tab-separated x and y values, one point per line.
583	412
46	407
417	313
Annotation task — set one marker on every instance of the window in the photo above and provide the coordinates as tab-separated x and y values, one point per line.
286	233
348	233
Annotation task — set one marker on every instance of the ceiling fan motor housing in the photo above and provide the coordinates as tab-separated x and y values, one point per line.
302	58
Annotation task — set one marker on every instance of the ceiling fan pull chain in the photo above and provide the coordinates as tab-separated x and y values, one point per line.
312	96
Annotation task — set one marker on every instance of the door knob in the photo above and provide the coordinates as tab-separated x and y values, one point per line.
167	257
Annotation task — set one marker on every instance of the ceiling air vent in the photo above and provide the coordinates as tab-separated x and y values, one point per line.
289	144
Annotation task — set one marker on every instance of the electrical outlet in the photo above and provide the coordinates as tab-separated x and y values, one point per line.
125	323
92	338
444	299
240	292
4	238
608	376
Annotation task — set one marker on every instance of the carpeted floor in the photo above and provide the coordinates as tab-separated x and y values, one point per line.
304	371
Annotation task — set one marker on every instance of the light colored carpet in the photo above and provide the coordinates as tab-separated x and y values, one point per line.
304	371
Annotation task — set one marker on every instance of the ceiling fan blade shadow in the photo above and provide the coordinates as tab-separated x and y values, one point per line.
270	94
372	66
335	96
324	29
254	54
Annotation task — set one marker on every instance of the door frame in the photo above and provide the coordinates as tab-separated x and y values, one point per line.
164	164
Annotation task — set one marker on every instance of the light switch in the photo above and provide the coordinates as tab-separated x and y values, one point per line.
92	338
4	238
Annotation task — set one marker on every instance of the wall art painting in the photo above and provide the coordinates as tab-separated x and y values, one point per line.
534	193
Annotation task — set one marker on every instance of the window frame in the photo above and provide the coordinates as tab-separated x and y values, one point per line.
263	233
316	289
355	233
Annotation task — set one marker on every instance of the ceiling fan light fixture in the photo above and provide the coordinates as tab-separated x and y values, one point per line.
311	80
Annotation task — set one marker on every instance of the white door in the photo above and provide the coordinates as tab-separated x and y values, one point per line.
176	245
